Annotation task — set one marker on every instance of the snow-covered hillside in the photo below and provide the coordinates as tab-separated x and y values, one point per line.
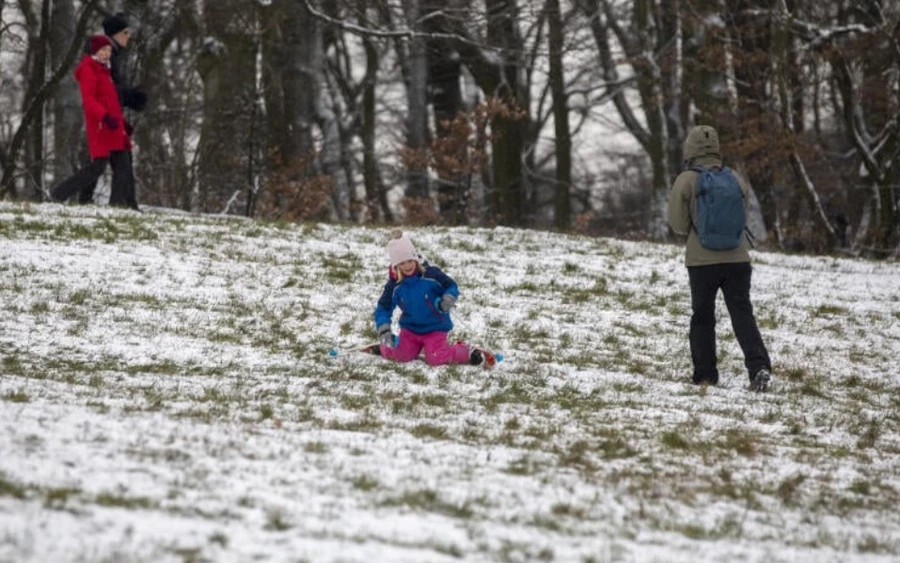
166	394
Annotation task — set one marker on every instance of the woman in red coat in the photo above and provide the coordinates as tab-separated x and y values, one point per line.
104	125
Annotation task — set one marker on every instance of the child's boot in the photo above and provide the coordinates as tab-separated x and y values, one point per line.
479	357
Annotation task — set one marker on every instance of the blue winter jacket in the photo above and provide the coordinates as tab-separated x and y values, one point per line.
416	296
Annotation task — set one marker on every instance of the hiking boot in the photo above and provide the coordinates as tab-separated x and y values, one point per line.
760	381
707	380
479	357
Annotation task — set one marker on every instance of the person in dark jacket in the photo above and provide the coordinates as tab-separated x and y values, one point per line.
108	142
425	295
117	29
712	270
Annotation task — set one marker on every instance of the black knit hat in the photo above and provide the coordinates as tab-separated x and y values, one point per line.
114	24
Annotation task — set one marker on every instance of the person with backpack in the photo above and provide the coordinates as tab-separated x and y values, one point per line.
708	203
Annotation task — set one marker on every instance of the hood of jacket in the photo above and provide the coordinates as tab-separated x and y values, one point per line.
702	140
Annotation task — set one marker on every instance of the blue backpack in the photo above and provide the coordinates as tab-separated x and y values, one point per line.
720	208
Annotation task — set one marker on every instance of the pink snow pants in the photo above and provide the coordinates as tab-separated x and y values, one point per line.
437	351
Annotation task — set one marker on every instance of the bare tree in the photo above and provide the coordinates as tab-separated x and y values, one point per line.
638	36
227	65
35	100
162	51
68	131
563	141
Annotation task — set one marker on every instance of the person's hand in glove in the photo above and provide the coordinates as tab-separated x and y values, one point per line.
385	336
446	303
111	122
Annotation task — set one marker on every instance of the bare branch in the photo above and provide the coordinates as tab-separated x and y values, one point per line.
395	34
37	102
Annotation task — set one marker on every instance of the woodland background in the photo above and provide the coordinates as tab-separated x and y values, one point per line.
550	114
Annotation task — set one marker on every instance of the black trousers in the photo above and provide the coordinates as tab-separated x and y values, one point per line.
84	181
734	281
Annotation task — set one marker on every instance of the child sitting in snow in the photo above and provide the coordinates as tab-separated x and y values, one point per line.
425	296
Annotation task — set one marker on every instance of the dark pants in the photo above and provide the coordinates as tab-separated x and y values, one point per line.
84	181
734	281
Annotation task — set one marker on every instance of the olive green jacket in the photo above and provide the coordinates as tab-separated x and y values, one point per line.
683	216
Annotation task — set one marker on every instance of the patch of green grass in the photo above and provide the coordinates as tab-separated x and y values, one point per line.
357	402
570	268
514	392
363	423
861	487
12	365
741	442
17	396
869	430
316	447
40	307
829	311
57	498
789	489
429	430
871	544
615	448
675	440
154	397
522	466
341	269
428	500
10	488
365	482
122	501
277	520
219	538
577	455
79	296
100	406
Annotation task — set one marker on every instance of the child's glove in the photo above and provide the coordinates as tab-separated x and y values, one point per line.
445	303
385	336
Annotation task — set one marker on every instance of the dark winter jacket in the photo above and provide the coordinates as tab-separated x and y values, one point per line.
98	98
133	98
416	296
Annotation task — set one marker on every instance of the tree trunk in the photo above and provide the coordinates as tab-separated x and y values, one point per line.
161	140
784	80
35	105
376	193
752	73
445	96
416	95
562	198
507	145
638	45
35	70
69	149
227	66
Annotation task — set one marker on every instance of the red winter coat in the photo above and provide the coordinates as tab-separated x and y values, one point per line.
99	97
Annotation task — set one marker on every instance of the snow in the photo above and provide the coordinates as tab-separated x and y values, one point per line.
166	395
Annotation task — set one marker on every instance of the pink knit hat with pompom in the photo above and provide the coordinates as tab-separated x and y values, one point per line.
400	249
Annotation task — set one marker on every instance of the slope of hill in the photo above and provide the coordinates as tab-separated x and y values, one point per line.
166	395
